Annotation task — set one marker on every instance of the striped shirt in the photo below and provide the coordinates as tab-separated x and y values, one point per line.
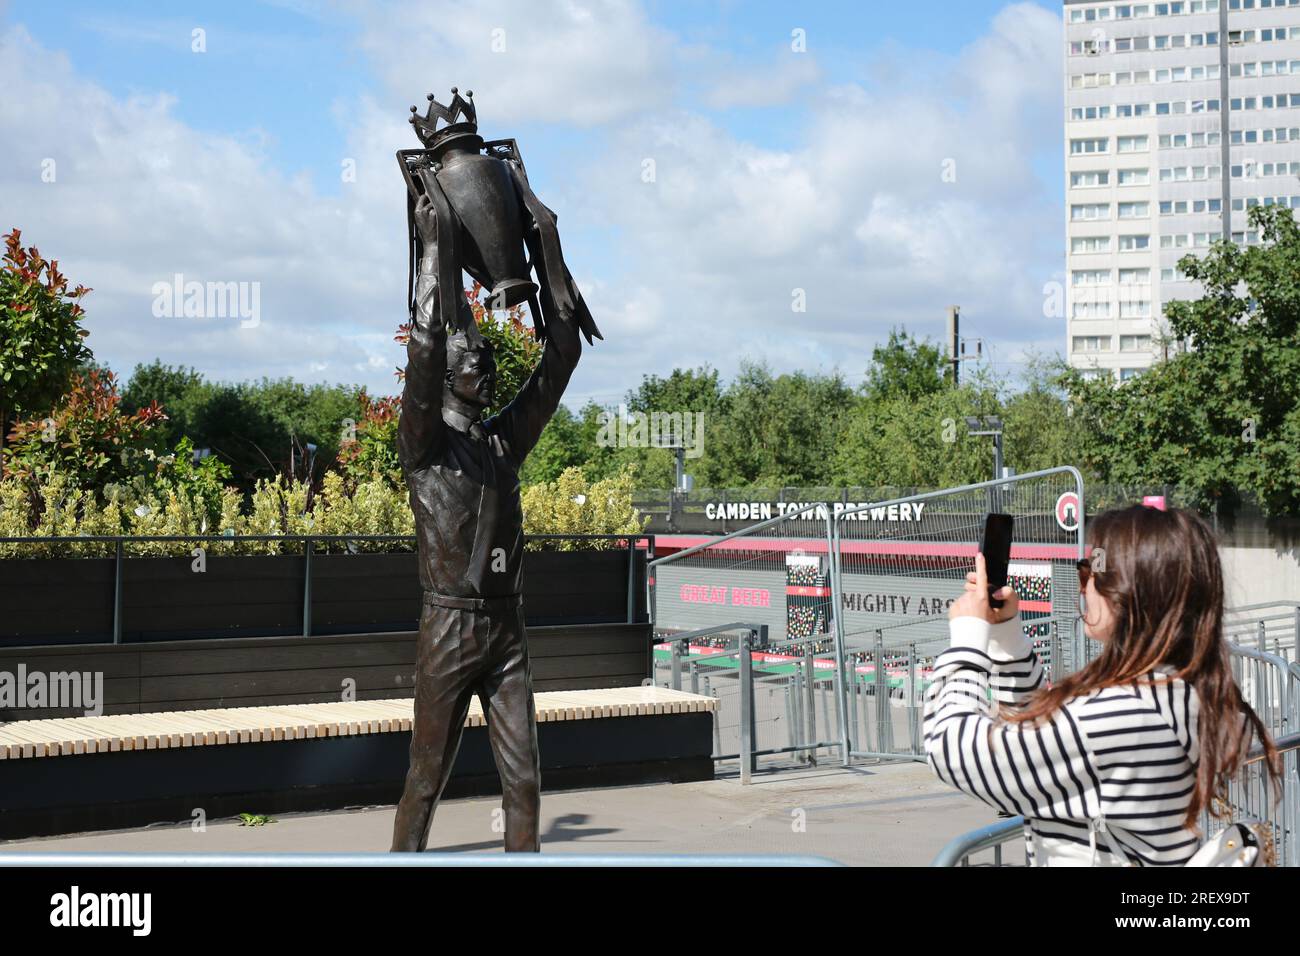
1126	754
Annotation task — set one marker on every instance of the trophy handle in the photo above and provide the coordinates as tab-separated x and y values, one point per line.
421	181
412	159
507	150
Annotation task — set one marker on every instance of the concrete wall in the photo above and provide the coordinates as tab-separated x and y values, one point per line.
1256	575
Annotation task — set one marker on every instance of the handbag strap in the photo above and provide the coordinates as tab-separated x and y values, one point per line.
1098	825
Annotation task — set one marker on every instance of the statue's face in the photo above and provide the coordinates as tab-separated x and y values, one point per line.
472	376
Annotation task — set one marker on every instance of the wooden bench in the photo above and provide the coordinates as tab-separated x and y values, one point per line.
136	769
73	736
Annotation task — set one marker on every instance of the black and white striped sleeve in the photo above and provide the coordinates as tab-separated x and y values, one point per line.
1043	770
1015	672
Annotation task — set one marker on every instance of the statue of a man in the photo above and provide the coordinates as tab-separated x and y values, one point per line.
463	476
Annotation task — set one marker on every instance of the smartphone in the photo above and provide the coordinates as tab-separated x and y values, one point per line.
996	548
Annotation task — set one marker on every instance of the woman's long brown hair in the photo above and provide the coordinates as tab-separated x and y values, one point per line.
1164	582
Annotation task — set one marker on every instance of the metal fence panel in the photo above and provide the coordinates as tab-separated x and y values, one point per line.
1271	685
897	566
776	701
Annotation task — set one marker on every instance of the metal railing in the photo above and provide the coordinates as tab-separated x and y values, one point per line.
887	678
402	860
308	544
1272	626
996	835
774	700
873	552
1271	685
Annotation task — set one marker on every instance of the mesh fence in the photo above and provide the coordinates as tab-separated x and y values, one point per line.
898	566
1271	685
788	689
1269	627
774	573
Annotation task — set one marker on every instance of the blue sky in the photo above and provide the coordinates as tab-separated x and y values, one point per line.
248	138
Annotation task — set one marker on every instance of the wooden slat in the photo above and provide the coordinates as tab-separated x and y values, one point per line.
70	736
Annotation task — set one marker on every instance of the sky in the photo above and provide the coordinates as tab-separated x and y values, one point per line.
734	181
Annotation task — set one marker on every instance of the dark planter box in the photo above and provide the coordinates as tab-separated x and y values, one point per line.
135	788
50	601
157	676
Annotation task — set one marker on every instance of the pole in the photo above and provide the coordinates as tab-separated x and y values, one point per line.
954	322
810	691
746	708
841	672
117	593
306	588
631	580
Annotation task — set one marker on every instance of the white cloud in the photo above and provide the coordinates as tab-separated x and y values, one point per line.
139	196
697	267
859	215
555	61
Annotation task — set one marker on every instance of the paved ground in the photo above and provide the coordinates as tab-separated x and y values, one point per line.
895	815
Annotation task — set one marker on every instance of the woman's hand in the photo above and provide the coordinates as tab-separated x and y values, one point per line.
974	601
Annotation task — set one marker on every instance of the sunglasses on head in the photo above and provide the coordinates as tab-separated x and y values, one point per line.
1085	572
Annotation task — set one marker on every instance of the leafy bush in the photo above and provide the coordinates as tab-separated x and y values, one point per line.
573	505
41	338
87	438
371	444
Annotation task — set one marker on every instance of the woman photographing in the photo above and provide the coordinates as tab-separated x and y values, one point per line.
1114	764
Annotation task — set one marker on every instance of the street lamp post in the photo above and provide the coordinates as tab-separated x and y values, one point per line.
990	425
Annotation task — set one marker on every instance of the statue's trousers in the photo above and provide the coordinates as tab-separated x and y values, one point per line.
478	646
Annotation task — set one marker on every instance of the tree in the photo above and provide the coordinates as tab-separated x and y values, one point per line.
915	443
1224	415
180	391
779	430
370	448
904	368
41	338
1039	430
558	449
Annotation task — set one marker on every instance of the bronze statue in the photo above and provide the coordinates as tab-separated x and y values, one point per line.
475	212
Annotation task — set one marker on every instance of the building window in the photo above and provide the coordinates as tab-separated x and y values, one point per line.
1082	245
1135	310
1134	243
1090	277
1089	212
1090	343
1135	343
1091	310
1134	276
1089	179
1084	147
1134	177
1129	144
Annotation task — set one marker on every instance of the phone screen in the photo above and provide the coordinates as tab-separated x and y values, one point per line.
996	548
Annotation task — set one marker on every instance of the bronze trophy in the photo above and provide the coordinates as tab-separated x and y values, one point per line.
488	215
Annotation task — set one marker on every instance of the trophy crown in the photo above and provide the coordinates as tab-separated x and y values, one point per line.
457	118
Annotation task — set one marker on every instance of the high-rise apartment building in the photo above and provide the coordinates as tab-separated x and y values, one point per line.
1179	117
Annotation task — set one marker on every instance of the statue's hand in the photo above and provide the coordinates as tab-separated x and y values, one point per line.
426	221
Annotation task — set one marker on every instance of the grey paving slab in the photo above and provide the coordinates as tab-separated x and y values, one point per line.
892	815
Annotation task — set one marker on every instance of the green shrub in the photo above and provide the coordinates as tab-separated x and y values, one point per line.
573	505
